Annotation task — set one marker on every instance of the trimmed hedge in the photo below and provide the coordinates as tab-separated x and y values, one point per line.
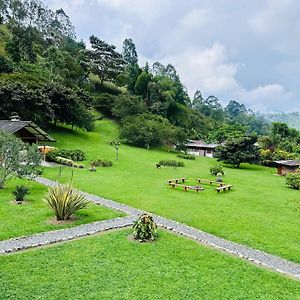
186	156
67	162
75	155
171	163
101	163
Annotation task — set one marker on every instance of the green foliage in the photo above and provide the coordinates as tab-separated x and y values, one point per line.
293	180
20	192
171	163
64	201
101	163
215	170
75	155
5	65
16	158
145	228
105	102
129	52
148	130
186	156
237	151
141	84
267	156
103	60
126	105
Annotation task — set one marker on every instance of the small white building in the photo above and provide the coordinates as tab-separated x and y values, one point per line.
200	148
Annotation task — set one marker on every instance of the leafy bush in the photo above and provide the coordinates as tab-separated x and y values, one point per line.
293	180
148	130
104	102
64	201
101	163
267	156
20	192
145	228
74	155
186	156
171	163
214	170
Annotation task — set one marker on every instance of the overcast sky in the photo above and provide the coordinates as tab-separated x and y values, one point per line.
234	49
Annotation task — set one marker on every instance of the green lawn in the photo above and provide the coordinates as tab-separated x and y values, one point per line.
255	213
33	217
109	266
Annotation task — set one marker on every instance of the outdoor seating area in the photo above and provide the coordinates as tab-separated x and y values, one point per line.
179	182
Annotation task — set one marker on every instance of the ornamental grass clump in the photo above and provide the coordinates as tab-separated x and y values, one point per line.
145	228
64	201
20	192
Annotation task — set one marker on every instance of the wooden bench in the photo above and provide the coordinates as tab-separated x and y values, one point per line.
211	182
187	187
177	180
224	188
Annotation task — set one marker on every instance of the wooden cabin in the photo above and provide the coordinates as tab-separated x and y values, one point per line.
200	148
287	166
27	131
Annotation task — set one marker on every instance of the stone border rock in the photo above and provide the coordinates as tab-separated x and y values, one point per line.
257	257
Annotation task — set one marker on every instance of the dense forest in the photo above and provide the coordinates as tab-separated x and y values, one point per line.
48	76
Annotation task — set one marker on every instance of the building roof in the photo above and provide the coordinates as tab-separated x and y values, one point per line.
200	144
288	163
15	125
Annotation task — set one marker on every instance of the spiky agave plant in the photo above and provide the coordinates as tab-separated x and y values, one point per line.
145	228
64	201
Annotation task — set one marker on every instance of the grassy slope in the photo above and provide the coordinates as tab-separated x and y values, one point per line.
255	213
32	217
171	268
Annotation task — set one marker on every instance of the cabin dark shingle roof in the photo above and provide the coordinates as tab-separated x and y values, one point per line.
13	126
288	163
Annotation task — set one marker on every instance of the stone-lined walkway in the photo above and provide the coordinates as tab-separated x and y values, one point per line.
258	257
50	237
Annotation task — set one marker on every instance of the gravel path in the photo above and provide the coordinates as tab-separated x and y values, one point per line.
50	237
258	257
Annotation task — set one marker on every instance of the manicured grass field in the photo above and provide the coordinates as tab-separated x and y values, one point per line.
110	266
33	216
255	213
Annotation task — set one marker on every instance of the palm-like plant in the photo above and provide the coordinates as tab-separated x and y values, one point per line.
64	200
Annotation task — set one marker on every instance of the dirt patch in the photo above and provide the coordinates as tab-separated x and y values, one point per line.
132	239
53	221
14	202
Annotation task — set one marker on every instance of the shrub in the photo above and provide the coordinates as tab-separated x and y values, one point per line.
64	161
293	180
145	228
171	163
214	170
20	192
101	163
148	130
186	156
64	201
75	155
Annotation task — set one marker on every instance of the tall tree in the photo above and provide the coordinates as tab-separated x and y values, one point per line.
129	52
104	60
239	150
